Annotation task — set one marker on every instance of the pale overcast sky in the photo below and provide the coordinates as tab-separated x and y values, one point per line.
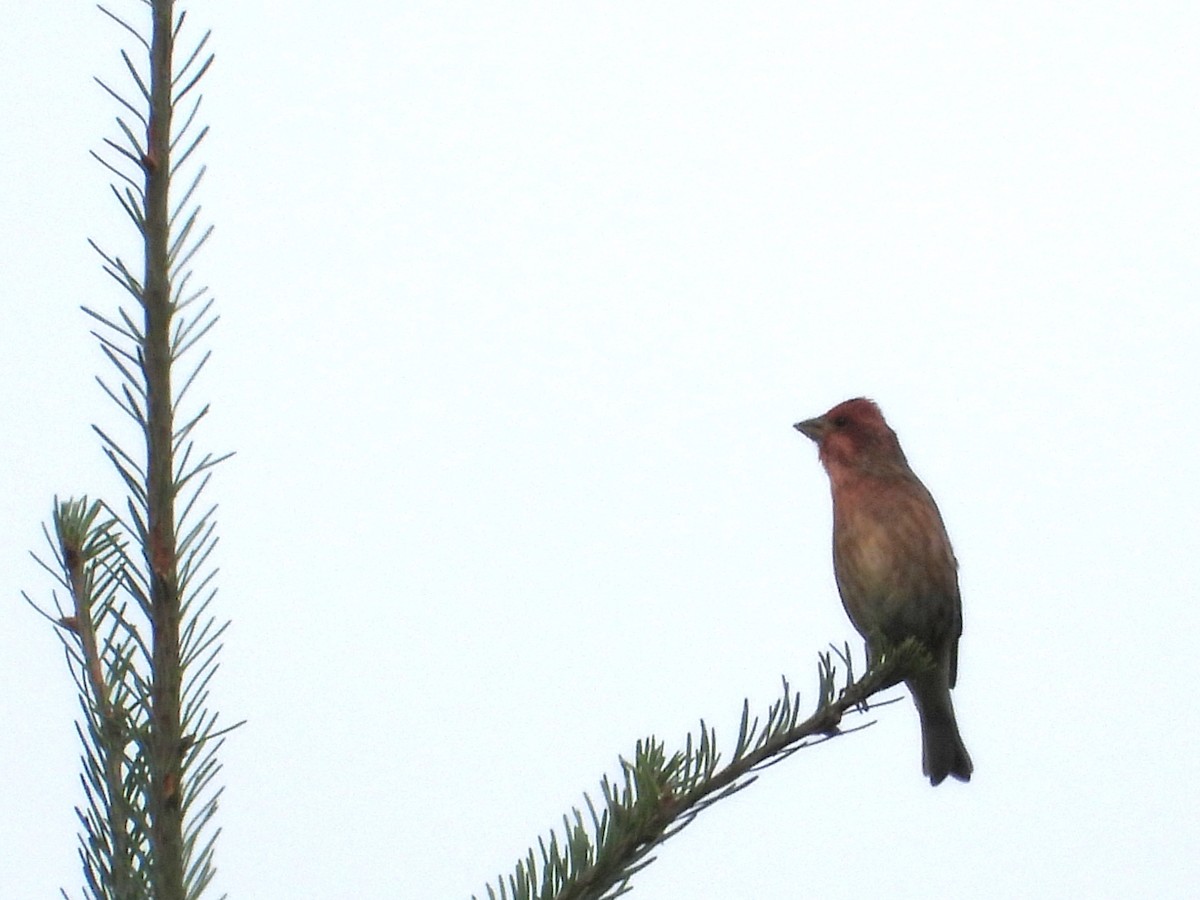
519	302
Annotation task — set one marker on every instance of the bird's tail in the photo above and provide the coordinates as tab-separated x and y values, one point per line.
943	751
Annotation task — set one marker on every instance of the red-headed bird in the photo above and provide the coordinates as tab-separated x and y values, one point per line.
894	566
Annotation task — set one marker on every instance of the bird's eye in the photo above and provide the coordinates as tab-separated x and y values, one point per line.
840	421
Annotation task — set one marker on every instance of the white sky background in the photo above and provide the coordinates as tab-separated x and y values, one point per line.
519	302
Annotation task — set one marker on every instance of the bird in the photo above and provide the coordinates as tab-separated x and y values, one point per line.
895	568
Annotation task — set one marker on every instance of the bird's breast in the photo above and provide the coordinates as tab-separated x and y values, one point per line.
893	562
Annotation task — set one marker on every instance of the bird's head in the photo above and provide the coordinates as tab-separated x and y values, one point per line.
854	436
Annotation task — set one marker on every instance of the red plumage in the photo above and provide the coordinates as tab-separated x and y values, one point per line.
894	565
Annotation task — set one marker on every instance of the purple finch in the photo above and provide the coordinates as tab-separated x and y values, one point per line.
894	566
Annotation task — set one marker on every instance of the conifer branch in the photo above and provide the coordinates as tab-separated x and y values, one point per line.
659	796
140	642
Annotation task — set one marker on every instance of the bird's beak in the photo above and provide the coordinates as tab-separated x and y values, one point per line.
813	428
